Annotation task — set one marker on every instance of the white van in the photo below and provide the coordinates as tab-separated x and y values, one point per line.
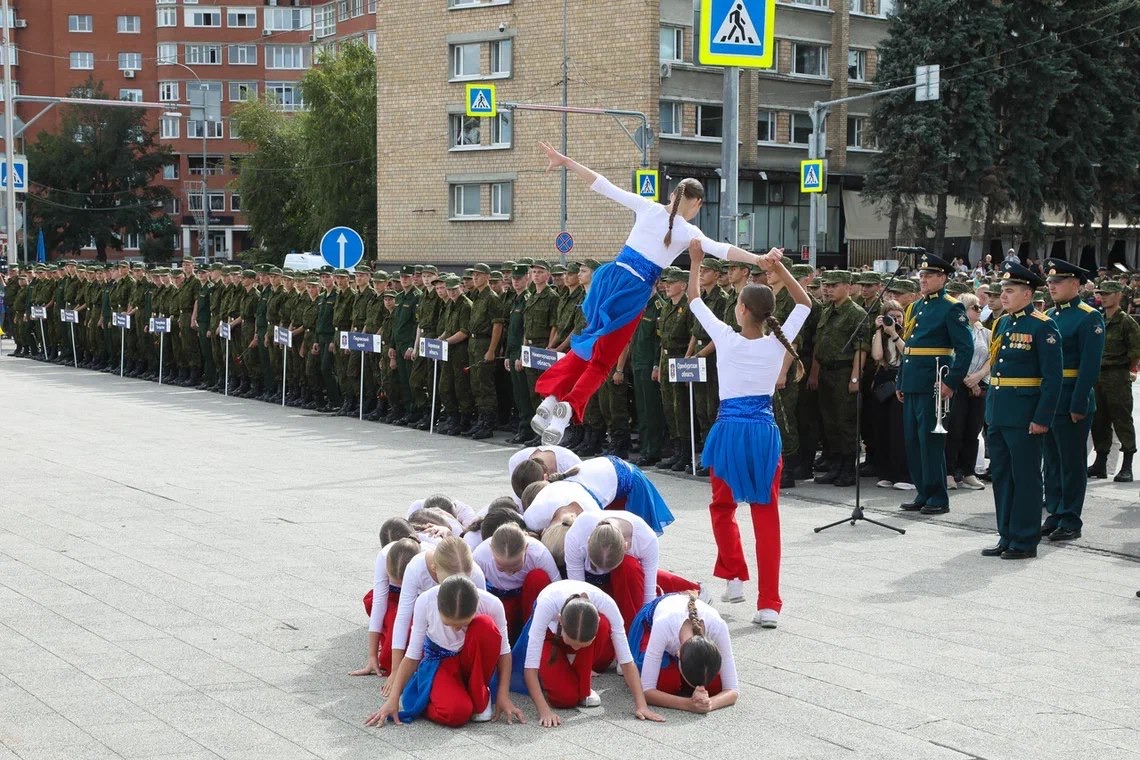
302	262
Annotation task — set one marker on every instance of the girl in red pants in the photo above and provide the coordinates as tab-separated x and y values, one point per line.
618	552
517	568
618	292
458	642
682	648
575	631
742	450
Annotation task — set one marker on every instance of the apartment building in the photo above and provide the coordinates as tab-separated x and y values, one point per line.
173	51
460	189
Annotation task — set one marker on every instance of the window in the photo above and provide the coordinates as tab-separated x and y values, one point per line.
465	132
84	133
357	8
464	61
203	54
214	165
287	96
167	53
15	56
287	56
213	129
240	92
15	90
857	65
342	10
859	133
130	61
766	127
168	92
235	202
166	17
888	7
241	18
172	206
131	95
501	57
465	200
812	3
670	116
710	121
170	171
501	131
372	40
203	17
801	129
82	60
501	193
168	127
234	133
79	24
130	24
672	44
809	60
195	201
217	201
324	21
288	19
242	55
131	241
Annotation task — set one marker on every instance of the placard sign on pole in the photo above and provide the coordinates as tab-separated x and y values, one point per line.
39	313
71	318
225	332
542	359
283	337
121	320
365	343
689	371
160	326
436	350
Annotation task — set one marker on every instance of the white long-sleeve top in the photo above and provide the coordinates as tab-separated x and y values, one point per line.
555	496
537	558
381	584
747	367
665	637
563	456
427	624
548	606
417	580
652	223
643	547
598	475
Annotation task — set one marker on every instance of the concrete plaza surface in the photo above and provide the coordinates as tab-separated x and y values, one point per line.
181	574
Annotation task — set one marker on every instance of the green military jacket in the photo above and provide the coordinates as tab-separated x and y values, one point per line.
836	324
936	326
717	301
1082	346
645	349
515	325
404	318
486	312
186	296
1025	353
1121	341
569	307
326	313
539	315
674	326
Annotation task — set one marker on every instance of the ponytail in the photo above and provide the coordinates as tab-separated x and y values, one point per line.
563	475
678	195
697	624
699	657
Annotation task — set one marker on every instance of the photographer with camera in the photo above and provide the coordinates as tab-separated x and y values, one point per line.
889	452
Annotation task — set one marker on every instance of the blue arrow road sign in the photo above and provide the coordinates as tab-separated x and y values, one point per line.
737	33
564	242
342	247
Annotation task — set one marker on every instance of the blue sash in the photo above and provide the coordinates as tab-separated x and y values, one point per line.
504	593
743	447
641	497
643	622
518	662
417	692
616	298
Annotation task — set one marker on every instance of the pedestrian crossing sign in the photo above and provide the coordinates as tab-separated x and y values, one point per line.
645	182
481	101
811	176
737	33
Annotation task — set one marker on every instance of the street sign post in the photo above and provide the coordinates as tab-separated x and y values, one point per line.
39	313
71	318
20	165
283	337
342	247
564	243
645	183
160	326
689	371
121	320
737	33
225	332
811	176
481	101
365	343
436	350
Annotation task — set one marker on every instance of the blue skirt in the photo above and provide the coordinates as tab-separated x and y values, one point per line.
643	622
518	662
641	497
743	447
417	692
616	298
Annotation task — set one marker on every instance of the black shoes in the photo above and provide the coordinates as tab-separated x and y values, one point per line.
1018	554
1047	530
1063	534
1099	468
1125	474
994	551
911	506
932	510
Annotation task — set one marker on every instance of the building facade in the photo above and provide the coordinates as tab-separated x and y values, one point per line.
173	52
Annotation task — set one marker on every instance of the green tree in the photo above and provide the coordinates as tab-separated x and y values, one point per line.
92	180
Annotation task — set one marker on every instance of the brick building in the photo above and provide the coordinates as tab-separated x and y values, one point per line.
161	50
459	189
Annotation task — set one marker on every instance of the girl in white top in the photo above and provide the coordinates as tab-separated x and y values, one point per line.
618	292
556	500
462	512
499	512
556	458
742	449
517	568
683	650
458	643
575	630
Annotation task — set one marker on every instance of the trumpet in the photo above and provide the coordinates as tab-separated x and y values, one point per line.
941	405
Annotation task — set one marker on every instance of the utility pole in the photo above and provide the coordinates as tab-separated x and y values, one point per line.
565	103
9	133
729	157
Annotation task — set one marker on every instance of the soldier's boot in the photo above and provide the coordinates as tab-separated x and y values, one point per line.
472	423
684	462
667	462
591	442
1099	467
620	447
195	378
573	437
845	476
1125	474
829	474
788	474
352	408
461	423
487	427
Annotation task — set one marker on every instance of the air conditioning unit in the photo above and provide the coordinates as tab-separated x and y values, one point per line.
265	32
128	73
21	23
666	70
312	38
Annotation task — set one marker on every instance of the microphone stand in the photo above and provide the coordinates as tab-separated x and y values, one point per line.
857	513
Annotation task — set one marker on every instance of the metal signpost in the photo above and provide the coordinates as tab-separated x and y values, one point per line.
436	350
121	320
365	343
689	371
224	332
160	326
71	317
39	313
283	337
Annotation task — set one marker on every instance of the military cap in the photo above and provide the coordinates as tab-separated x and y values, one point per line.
741	264
1110	286
1014	272
928	262
836	277
800	271
379	277
338	272
263	268
312	280
540	264
957	288
673	274
496	276
177	272
558	269
362	268
451	282
755	269
246	273
481	268
418	269
388	294
1039	295
385	273
123	263
591	264
1056	269
428	269
406	270
526	260
994	289
715	264
161	271
520	270
787	262
136	265
507	266
432	278
867	278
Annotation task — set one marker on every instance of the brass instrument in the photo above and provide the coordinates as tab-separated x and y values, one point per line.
941	405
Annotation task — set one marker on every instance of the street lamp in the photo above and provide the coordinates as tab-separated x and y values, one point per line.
204	243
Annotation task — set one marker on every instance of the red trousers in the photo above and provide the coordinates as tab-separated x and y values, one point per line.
574	380
385	654
730	562
626	585
568	683
518	608
669	678
461	687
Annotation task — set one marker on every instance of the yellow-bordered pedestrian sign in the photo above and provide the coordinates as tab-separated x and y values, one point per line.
645	182
737	33
811	176
481	100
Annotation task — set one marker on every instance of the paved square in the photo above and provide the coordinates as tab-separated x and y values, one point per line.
181	574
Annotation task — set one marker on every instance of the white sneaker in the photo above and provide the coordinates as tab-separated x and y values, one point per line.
733	592
905	487
560	420
951	484
885	484
593	700
485	716
705	595
972	482
541	419
766	618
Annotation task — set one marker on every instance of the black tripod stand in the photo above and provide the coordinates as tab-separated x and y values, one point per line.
857	512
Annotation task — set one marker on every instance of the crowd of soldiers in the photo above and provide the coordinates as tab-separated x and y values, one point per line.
486	316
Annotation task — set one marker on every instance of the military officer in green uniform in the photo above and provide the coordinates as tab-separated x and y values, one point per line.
202	324
645	352
1114	385
1025	383
674	328
706	395
429	319
455	379
404	344
937	336
328	344
486	333
520	394
540	316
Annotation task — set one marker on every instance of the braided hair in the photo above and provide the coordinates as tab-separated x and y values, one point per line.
689	188
699	657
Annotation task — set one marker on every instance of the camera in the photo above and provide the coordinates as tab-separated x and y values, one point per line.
888	320
502	27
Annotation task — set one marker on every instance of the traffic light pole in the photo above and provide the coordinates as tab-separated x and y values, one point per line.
9	134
